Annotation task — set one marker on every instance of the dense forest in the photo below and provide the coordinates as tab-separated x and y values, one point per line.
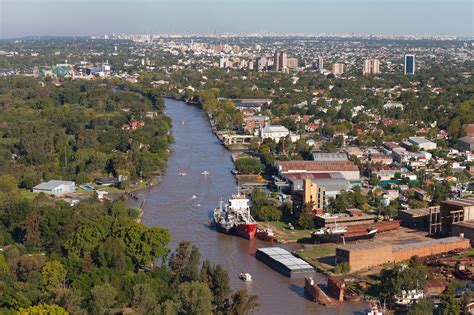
94	258
75	131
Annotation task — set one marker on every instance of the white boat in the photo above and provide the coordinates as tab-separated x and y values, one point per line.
374	309
205	173
193	197
182	123
183	173
408	297
245	276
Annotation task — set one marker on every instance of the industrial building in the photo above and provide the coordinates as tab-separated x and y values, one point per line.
348	169
312	194
466	229
284	262
369	254
450	212
415	218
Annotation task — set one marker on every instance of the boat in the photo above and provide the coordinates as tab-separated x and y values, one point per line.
182	123
184	173
374	309
205	173
408	297
351	295
265	235
341	235
235	217
245	224
245	276
193	197
223	220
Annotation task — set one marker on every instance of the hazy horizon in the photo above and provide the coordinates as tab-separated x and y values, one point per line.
22	18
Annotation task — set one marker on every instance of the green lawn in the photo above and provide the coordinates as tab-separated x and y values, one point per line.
284	234
312	253
27	194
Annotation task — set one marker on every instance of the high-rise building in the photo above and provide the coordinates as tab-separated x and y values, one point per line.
375	66
283	60
367	67
313	194
261	63
371	66
276	60
292	63
338	68
320	63
409	64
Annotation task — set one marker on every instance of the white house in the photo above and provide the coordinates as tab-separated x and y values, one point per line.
55	187
276	132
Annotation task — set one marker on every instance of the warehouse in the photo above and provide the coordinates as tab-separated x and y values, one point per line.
284	262
369	254
348	169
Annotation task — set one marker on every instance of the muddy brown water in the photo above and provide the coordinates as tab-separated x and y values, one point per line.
171	205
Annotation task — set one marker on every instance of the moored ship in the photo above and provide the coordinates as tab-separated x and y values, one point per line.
341	235
235	217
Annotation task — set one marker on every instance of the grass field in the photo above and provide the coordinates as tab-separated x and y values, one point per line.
312	253
285	235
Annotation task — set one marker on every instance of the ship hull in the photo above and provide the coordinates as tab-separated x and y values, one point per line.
246	230
340	238
264	236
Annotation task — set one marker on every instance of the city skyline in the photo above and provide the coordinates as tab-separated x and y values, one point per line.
22	18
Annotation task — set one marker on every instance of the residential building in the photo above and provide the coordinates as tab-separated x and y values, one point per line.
55	187
292	63
466	143
276	133
255	122
276	60
283	60
371	66
409	68
338	68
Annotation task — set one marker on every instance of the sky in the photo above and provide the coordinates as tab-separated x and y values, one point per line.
20	18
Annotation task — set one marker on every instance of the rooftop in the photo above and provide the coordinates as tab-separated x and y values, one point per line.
464	202
52	184
318	156
446	240
416	212
316	166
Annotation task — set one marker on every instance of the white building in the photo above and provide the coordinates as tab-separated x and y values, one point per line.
276	132
422	143
55	187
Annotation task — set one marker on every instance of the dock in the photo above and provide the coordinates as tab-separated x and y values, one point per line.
284	262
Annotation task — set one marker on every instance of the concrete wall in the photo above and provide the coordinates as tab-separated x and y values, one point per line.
437	248
363	258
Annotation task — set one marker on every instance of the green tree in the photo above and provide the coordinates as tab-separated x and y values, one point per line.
53	274
42	309
242	303
422	307
449	304
103	298
194	298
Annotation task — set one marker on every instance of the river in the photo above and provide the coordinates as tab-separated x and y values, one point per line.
170	205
